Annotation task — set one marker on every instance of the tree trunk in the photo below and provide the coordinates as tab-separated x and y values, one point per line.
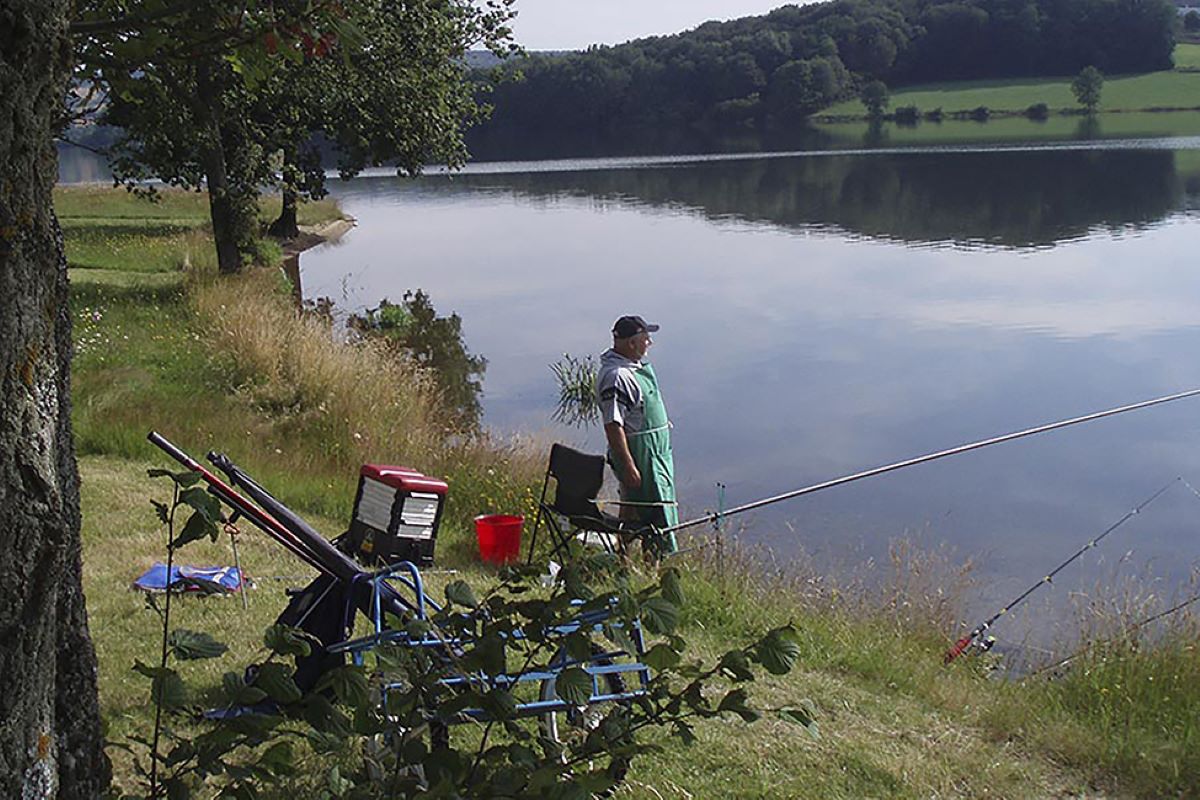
212	157
50	743
285	227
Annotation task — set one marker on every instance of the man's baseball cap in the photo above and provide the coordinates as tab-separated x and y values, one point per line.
631	326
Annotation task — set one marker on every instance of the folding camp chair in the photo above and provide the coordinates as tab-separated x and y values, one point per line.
573	512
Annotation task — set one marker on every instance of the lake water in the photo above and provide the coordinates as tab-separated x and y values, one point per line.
823	313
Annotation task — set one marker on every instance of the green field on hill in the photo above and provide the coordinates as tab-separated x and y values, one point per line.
1178	88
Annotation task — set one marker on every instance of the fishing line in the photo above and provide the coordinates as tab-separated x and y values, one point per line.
965	642
953	451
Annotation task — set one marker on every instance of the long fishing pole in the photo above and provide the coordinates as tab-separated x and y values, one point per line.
965	642
1132	628
953	451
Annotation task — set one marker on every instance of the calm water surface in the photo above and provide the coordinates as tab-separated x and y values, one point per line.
826	313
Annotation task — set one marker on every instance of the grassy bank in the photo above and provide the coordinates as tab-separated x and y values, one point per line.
227	364
1170	89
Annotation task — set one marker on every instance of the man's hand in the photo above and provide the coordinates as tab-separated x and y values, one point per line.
633	478
619	446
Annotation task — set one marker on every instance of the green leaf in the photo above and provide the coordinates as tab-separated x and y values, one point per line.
177	789
277	758
685	733
778	651
659	615
418	628
735	701
661	657
500	704
349	684
182	479
202	501
167	690
461	593
192	645
804	714
238	693
620	637
277	681
166	687
489	654
578	645
285	640
164	513
672	588
736	665
198	526
574	686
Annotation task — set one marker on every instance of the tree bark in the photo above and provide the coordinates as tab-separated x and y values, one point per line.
212	158
50	742
286	227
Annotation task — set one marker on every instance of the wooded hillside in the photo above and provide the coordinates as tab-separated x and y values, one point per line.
796	60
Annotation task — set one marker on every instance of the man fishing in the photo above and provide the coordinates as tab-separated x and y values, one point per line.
638	431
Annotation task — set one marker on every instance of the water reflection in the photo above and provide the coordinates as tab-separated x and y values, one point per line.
803	338
1034	198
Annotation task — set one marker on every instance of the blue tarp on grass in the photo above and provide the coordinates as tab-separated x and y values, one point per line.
189	579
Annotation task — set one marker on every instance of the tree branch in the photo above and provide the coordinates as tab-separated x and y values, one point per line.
86	27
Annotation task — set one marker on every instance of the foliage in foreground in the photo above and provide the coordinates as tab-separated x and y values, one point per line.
388	720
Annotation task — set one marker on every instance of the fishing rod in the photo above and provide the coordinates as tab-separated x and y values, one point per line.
714	517
965	642
261	519
1133	628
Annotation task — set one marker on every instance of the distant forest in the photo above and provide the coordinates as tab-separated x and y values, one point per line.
786	65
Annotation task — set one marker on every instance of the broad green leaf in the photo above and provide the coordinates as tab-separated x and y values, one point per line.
618	635
202	501
661	657
461	593
276	680
500	704
778	651
285	640
489	654
167	690
277	758
192	645
805	714
685	733
574	686
349	684
198	526
736	665
578	645
177	788
183	479
659	615
672	588
418	628
238	693
735	701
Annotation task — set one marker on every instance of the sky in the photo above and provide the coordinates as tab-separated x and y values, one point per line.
575	24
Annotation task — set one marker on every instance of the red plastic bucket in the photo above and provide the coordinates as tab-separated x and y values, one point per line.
499	537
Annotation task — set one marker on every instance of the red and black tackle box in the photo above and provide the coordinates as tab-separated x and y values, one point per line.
396	515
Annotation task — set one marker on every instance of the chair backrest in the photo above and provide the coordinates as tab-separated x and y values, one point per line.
579	477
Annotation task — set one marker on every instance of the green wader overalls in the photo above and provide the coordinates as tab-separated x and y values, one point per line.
651	451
